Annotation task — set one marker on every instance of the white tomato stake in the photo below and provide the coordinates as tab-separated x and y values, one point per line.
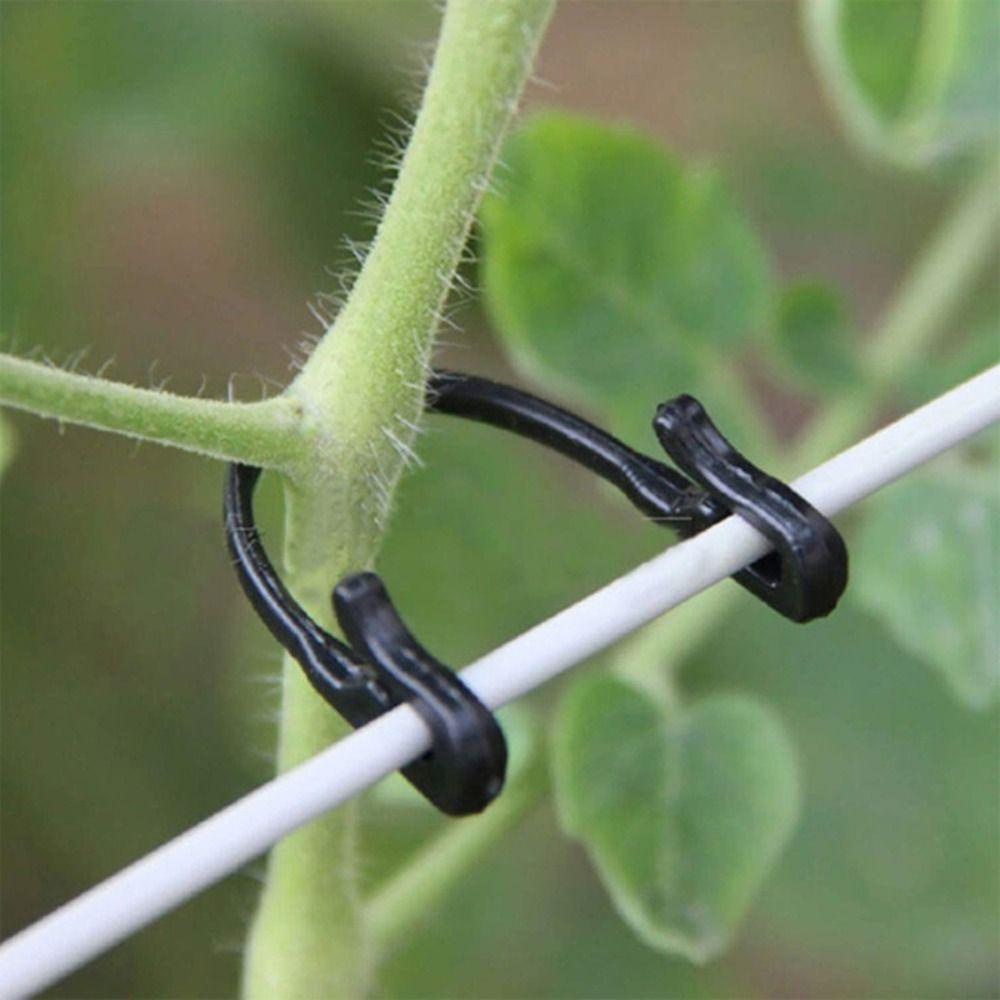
123	904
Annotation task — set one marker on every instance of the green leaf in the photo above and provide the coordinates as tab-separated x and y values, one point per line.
613	272
683	813
927	564
913	81
814	338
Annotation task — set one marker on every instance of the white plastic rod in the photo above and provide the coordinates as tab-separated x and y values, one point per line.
150	887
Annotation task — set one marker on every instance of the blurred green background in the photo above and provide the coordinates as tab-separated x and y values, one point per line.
177	181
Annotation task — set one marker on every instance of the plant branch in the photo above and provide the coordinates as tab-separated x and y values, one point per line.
943	273
432	872
264	433
361	394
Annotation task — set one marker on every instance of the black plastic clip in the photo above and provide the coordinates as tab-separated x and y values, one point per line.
807	572
385	666
802	579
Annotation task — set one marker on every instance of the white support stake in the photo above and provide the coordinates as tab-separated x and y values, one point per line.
111	911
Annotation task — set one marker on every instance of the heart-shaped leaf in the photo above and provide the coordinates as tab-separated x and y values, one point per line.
615	273
927	564
682	812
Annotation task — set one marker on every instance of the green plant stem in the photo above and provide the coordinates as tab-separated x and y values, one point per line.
265	433
341	435
363	386
361	393
941	276
432	872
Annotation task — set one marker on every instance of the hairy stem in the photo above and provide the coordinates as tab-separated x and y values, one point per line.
361	393
265	433
363	386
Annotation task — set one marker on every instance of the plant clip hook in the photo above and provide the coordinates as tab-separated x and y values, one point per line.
382	665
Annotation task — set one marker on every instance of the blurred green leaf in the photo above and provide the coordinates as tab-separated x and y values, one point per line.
682	812
913	81
615	273
814	338
927	564
889	885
